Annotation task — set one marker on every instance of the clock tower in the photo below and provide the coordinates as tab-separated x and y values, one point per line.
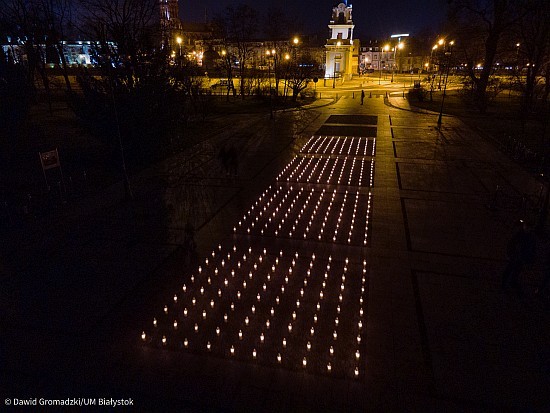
342	51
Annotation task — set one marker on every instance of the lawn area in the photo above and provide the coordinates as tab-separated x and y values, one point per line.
501	123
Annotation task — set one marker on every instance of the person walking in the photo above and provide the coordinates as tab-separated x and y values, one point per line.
362	96
520	252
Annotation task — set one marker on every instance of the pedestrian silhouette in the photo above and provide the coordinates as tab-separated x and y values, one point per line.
362	96
520	252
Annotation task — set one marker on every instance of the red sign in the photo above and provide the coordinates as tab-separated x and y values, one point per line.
49	159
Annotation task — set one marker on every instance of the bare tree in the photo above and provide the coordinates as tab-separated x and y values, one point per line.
130	24
480	26
301	69
533	31
23	20
239	25
56	16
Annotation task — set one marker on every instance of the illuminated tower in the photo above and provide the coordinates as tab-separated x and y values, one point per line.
342	57
169	21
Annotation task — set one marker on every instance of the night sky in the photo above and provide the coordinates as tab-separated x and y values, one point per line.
372	18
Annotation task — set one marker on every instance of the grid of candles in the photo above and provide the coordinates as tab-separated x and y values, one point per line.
349	171
274	308
294	211
333	145
285	307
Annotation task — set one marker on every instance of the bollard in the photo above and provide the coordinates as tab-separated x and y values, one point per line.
370	95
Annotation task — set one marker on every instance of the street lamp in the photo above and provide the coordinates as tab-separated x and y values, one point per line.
179	41
384	49
338	44
399	46
448	55
268	54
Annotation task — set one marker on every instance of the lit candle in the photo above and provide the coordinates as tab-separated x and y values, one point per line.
232	350
240	335
335	335
329	367
225	317
218	331
185	343
294	315
208	346
289	327
175	324
204	314
308	346
312	331
267	324
211	303
154	322
262	337
246	320
284	342
331	351
356	371
143	336
304	362
196	327
163	340
279	358
184	288
166	309
254	353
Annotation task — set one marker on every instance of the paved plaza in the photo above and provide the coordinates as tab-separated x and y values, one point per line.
352	264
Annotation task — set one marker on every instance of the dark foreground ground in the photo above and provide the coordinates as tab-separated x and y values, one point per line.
439	333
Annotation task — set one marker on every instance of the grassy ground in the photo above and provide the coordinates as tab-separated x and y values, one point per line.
88	164
501	122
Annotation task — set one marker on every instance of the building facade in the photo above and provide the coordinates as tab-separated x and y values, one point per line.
342	51
170	23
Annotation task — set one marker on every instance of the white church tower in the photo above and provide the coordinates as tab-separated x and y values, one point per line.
342	51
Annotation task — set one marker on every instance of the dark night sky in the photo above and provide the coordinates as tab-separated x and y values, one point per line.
372	18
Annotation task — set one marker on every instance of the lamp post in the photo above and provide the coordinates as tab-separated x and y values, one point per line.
448	55
441	43
385	49
269	53
338	44
398	46
179	41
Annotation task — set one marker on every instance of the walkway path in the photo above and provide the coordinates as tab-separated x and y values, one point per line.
438	333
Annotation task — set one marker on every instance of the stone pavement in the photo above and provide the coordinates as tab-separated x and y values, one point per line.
440	334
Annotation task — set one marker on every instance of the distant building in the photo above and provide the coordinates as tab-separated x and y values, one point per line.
375	56
342	51
170	23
